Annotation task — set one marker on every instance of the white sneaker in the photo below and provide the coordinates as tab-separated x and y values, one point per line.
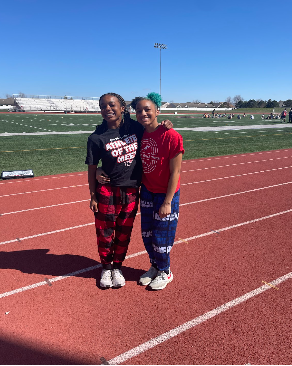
118	278
147	277
106	278
161	280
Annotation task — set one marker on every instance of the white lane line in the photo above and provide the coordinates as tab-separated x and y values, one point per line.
44	234
236	225
237	175
43	190
235	194
247	162
82	185
203	200
40	208
181	204
41	178
194	322
21	289
234	156
184	162
30	287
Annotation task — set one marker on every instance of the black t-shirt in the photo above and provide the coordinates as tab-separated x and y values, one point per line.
119	151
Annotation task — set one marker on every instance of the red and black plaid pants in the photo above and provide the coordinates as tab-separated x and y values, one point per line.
117	208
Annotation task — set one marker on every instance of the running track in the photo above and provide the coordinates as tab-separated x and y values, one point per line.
229	303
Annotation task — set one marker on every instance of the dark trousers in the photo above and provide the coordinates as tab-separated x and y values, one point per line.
117	208
158	233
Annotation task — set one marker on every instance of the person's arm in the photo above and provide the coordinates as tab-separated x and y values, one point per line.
174	166
92	187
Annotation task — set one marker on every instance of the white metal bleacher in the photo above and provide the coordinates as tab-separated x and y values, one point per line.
70	105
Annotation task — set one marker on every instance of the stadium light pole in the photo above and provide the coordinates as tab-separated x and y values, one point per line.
161	46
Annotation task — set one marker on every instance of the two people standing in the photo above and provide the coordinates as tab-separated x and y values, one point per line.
114	199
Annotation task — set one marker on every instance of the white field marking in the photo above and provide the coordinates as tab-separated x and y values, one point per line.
194	322
44	234
235	194
236	156
80	185
40	208
181	204
46	133
41	178
237	175
212	232
38	284
230	128
184	162
43	190
242	163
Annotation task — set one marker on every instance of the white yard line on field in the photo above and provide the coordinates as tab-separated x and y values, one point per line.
198	129
232	128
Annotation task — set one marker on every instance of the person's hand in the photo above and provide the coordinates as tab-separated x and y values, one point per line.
165	209
101	177
93	204
167	124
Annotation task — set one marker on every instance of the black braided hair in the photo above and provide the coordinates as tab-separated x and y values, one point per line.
135	102
126	122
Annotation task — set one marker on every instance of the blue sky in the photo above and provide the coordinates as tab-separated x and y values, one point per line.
85	48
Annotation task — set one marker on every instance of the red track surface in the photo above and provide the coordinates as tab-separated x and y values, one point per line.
242	204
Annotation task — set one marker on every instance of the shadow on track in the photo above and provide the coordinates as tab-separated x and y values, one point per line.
40	262
17	353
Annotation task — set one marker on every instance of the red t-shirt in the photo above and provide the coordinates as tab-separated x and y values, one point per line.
157	149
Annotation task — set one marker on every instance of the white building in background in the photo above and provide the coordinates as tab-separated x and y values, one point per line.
44	103
48	104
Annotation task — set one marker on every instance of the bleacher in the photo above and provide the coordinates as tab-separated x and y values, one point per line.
57	105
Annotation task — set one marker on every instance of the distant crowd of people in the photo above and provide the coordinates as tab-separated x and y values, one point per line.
216	115
230	116
282	116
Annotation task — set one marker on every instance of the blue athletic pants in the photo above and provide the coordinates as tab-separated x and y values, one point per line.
158	233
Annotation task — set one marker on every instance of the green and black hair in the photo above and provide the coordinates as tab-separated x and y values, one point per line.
126	120
154	97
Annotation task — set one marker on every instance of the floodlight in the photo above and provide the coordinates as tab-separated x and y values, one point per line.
161	46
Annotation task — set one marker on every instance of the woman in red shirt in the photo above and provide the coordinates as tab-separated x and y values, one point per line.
161	154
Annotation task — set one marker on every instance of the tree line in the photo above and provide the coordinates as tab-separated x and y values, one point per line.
239	102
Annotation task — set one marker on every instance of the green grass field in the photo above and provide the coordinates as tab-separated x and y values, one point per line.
53	154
